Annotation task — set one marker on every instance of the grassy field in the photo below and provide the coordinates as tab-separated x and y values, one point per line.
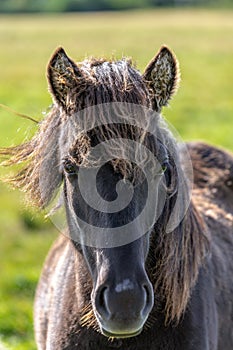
203	109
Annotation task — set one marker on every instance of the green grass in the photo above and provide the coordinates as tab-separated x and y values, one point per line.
202	109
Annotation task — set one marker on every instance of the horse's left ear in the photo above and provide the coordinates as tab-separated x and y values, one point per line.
162	76
63	75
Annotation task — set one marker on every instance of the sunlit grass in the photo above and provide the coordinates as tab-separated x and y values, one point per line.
202	109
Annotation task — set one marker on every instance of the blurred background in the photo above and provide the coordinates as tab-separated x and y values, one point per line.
100	5
201	35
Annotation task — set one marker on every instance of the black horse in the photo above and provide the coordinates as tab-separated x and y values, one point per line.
113	281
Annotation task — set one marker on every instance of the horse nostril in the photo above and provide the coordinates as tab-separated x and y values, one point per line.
100	302
148	298
146	288
102	297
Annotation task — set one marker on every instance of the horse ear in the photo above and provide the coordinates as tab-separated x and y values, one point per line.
162	76
63	75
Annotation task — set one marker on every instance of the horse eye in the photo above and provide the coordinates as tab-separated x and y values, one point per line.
164	168
167	171
69	167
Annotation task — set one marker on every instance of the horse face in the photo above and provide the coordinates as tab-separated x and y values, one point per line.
122	295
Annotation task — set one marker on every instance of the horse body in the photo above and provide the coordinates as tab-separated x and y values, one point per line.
160	282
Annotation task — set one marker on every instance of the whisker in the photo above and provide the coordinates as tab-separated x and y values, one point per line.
18	114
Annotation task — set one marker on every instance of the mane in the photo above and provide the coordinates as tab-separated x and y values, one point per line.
178	255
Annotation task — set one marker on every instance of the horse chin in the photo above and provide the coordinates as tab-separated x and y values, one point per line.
120	335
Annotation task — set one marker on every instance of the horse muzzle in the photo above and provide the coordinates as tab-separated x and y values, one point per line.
122	309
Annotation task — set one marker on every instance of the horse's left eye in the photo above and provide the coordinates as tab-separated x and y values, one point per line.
69	167
164	168
167	171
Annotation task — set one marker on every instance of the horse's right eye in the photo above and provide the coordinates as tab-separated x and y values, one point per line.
69	167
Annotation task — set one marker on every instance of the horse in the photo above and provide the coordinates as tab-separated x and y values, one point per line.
113	281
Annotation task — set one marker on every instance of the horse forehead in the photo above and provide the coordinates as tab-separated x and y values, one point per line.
102	67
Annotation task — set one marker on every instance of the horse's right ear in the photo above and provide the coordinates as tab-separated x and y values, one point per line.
63	75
